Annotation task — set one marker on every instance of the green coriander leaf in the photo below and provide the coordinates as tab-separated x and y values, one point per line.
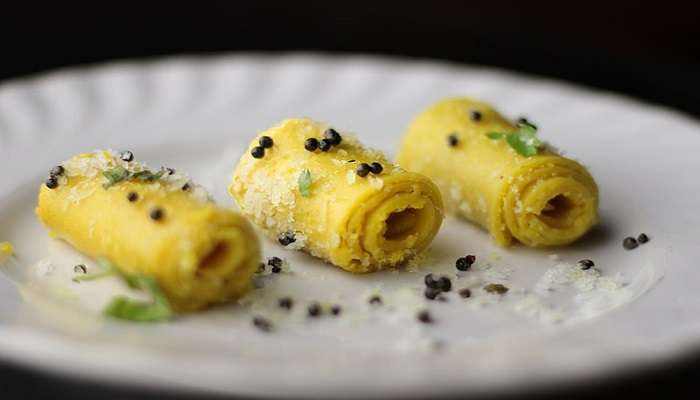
524	141
528	135
496	288
496	135
158	309
148	176
520	145
115	175
305	183
139	311
92	277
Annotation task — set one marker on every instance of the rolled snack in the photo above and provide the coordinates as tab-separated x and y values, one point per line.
326	196
155	223
539	199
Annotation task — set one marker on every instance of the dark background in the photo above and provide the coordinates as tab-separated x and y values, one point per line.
650	50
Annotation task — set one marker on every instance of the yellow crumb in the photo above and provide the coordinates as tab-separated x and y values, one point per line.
6	251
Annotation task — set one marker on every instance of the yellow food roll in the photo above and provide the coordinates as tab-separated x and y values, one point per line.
155	223
358	220
542	199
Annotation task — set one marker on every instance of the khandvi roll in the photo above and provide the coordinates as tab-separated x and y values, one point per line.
499	175
154	223
314	189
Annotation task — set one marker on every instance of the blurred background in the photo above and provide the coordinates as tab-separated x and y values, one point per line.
649	50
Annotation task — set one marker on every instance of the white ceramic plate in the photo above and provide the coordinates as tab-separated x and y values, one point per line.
197	115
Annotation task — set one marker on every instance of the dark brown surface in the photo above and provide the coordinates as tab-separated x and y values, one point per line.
648	50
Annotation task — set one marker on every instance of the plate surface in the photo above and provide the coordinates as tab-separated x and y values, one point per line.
197	115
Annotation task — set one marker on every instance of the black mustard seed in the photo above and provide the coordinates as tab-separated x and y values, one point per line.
286	238
126	155
57	171
325	145
424	317
262	324
630	243
286	302
311	144
80	269
314	309
274	262
52	183
265	142
430	281
376	168
157	214
363	169
464	263
444	284
452	140
258	152
431	293
132	196
332	136
465	293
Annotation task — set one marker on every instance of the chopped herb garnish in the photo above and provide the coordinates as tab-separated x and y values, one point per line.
495	288
148	176
496	135
158	309
305	183
115	175
524	141
119	174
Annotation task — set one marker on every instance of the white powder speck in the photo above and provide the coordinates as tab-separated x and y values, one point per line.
44	268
